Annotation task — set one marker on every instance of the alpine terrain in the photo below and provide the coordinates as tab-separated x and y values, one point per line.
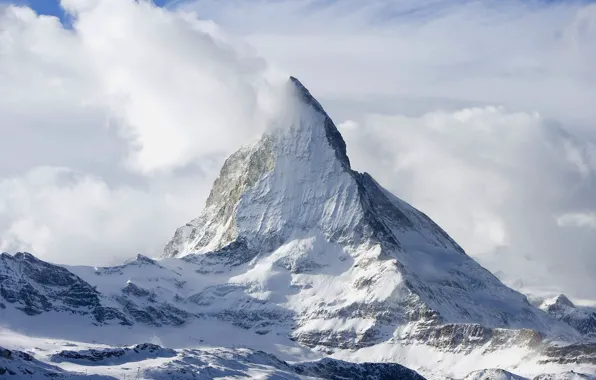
298	267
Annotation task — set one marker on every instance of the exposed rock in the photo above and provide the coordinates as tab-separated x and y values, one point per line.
338	370
35	286
577	353
581	318
114	356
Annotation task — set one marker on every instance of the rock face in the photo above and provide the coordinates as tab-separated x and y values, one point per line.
293	244
18	365
34	286
581	318
578	353
338	370
113	356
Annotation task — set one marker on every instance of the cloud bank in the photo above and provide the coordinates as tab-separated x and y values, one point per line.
479	113
114	129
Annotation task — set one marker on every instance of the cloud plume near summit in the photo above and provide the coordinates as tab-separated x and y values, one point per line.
111	109
479	114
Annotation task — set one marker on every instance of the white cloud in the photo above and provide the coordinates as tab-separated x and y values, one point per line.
113	130
135	106
168	77
496	181
524	55
162	78
76	218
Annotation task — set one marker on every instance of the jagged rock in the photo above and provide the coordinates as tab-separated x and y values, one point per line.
35	286
134	290
581	318
337	370
113	356
577	353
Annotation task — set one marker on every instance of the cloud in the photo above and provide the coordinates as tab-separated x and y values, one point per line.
76	218
479	113
528	56
501	183
168	77
113	129
160	78
578	220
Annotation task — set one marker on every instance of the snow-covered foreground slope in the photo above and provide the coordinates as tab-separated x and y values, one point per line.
297	255
51	358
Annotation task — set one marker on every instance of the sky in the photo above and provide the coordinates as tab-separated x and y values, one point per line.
116	116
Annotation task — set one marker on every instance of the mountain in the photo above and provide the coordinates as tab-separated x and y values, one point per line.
582	318
291	208
298	255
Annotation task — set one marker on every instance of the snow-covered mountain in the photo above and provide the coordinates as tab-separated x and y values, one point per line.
298	255
582	318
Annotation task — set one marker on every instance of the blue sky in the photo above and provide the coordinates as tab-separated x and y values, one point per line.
52	7
47	7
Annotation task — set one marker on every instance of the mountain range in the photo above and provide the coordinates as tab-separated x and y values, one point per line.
298	267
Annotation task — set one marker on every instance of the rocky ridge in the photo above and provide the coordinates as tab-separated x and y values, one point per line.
581	318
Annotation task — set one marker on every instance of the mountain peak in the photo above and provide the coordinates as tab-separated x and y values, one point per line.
305	95
291	203
334	138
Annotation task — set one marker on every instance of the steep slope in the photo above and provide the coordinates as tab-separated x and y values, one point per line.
34	287
292	211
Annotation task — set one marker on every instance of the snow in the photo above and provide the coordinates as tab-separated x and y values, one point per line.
299	256
492	374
